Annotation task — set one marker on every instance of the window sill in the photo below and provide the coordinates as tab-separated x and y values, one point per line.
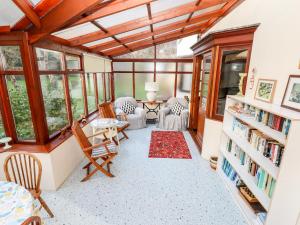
52	145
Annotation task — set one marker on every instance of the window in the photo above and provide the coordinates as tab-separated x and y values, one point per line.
147	53
90	92
19	103
76	95
140	80
162	66
167	50
100	86
107	85
49	60
123	84
166	85
185	67
54	101
2	130
73	62
122	66
184	85
10	58
144	66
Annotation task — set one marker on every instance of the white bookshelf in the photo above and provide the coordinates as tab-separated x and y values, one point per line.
283	197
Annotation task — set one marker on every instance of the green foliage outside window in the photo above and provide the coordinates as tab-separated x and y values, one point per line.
76	94
20	106
10	58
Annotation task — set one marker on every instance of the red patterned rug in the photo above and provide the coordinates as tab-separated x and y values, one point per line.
168	144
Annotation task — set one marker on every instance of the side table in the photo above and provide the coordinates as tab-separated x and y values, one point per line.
152	107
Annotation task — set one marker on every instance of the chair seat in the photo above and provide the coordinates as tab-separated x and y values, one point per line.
101	151
122	124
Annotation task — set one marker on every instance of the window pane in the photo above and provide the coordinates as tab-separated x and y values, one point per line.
90	92
73	62
76	94
166	85
185	67
49	60
233	63
144	66
140	80
122	66
147	53
100	87
2	130
184	85
123	84
167	50
10	58
166	67
20	106
54	101
107	85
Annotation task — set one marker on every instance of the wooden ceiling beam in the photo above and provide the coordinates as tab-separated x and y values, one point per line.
4	29
29	12
157	31
41	10
161	39
112	8
59	16
142	22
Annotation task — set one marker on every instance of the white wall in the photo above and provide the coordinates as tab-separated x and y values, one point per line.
275	51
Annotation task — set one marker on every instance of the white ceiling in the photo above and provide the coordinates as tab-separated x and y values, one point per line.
98	42
76	31
162	5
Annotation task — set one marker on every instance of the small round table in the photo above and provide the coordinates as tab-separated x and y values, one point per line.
5	141
16	203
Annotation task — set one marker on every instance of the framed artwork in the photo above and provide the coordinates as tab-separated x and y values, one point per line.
291	99
265	90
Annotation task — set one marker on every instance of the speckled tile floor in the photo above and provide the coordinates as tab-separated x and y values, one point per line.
145	191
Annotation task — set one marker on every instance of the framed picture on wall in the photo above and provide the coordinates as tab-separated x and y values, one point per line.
291	99
265	90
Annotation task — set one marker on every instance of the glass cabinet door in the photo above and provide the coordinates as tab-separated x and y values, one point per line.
204	76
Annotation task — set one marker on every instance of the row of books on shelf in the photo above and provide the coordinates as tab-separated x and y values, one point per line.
263	180
269	119
268	147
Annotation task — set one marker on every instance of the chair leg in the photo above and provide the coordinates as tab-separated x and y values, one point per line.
45	206
124	134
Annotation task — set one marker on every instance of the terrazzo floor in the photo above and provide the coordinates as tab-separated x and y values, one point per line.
145	191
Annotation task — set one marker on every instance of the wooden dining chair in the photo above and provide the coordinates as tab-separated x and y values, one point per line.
105	151
26	170
106	110
33	220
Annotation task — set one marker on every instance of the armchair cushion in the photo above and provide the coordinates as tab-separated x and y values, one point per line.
177	108
128	107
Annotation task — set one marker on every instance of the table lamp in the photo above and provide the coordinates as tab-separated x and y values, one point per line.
151	88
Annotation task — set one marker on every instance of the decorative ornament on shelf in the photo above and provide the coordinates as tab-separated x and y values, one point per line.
83	119
151	88
252	78
241	84
5	141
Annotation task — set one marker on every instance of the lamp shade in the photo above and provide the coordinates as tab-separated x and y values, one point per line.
151	86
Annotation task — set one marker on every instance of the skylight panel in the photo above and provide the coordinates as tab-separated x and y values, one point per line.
162	5
10	14
136	31
98	42
35	2
123	17
76	31
209	9
173	20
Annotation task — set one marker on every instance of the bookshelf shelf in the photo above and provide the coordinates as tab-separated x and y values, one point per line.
255	155
276	135
247	178
254	144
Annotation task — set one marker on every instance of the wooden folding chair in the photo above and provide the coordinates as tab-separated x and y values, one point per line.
33	220
106	110
26	170
105	151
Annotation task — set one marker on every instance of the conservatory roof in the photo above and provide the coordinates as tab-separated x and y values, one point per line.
111	27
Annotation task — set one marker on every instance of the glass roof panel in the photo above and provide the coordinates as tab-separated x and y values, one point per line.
35	2
162	5
173	20
9	13
147	28
123	17
98	42
76	31
209	9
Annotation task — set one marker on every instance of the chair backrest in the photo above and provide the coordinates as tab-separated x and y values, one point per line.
120	101
24	169
80	135
182	102
34	220
106	110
